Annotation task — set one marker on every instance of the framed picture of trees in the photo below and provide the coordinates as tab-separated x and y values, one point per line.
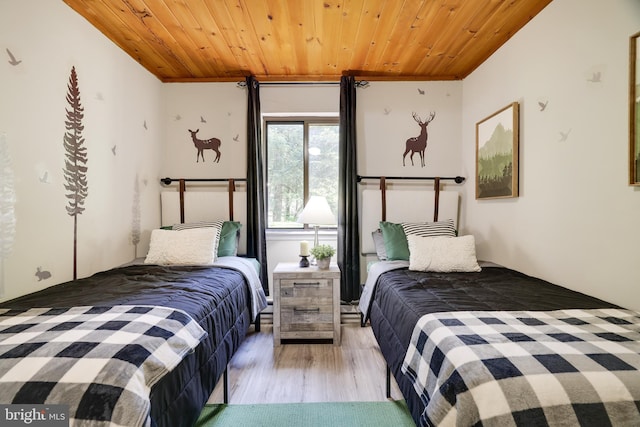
497	154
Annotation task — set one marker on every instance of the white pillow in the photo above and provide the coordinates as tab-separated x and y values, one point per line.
196	246
378	242
443	254
202	224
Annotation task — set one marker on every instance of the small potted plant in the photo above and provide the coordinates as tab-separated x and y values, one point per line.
323	254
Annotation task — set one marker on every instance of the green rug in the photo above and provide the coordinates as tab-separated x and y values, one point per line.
348	414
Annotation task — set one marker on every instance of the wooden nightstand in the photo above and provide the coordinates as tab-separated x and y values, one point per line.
306	303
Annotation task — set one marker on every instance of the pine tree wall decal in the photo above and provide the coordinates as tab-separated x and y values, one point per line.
75	170
7	208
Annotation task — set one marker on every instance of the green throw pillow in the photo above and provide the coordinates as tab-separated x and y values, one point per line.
395	241
229	235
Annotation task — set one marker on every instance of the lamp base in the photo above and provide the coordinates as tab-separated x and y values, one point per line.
304	262
316	242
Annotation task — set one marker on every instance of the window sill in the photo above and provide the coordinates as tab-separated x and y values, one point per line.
297	235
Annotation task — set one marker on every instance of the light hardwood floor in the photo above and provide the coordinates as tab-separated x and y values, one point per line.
353	371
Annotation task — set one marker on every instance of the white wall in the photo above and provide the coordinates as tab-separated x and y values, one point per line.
385	122
575	222
217	110
119	98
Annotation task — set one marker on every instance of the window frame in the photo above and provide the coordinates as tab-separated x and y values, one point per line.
306	121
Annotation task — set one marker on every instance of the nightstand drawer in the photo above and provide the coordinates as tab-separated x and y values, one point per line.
308	317
293	289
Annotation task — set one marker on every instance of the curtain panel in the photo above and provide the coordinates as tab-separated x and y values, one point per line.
256	192
348	228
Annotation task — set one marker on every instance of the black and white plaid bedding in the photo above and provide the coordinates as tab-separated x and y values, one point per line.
566	367
101	361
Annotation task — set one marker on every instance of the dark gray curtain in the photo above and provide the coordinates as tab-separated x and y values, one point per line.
348	229
256	194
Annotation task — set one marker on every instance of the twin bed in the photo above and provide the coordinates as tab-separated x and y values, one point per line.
142	344
473	343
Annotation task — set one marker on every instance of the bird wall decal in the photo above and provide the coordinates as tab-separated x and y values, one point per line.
12	59
44	178
564	135
237	137
420	91
202	120
596	77
542	105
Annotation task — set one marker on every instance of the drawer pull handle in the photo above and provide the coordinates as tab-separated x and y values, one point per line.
307	310
307	284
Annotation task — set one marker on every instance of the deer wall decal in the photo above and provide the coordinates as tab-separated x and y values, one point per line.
205	144
418	144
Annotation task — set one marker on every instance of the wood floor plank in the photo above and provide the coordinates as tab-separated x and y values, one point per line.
307	372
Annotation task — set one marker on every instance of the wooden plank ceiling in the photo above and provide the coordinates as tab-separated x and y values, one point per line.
308	40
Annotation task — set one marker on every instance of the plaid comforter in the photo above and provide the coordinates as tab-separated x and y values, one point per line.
567	367
101	361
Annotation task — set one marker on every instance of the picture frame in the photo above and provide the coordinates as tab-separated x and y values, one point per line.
497	141
634	110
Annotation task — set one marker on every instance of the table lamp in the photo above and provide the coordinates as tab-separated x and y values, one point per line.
317	212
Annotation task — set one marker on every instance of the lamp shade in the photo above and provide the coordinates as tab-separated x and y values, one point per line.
317	212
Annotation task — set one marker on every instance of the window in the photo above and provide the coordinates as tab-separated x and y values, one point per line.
302	161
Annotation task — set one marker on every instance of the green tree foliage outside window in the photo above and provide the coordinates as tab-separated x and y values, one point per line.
302	161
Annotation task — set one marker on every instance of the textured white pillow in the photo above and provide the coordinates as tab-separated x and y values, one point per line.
202	224
196	246
443	254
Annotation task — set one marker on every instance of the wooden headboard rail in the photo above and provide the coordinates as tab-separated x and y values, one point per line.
231	187
436	185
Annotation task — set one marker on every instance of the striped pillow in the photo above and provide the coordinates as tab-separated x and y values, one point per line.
444	228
